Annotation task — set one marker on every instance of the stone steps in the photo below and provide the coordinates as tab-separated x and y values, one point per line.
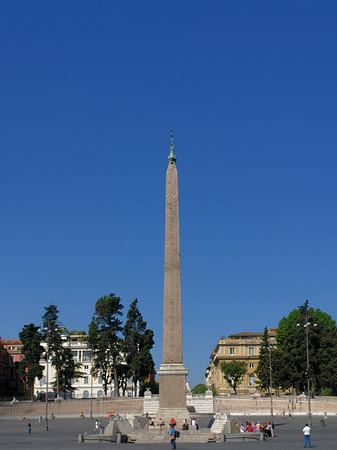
157	436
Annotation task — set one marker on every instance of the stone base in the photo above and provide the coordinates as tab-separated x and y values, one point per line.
172	393
179	415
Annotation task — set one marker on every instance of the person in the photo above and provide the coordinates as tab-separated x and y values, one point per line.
173	422
249	428
172	436
242	428
29	428
96	430
185	425
306	433
195	423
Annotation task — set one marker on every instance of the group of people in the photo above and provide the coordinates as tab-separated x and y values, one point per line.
263	427
185	425
150	423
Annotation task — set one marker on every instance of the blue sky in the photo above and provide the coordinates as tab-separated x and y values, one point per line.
89	94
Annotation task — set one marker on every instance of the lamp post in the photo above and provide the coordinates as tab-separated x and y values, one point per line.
270	383
47	329
91	394
306	328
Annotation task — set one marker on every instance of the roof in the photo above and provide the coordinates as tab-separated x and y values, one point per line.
10	341
246	334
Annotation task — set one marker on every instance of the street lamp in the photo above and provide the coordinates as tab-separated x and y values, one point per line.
306	328
47	329
91	376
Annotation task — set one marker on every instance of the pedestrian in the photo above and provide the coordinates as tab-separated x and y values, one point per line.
306	432
29	428
96	430
173	436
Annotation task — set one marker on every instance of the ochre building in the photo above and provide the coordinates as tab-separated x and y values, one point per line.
240	347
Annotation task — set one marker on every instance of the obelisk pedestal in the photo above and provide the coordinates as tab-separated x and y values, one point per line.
172	373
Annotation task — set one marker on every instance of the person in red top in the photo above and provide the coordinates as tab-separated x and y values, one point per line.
173	422
249	428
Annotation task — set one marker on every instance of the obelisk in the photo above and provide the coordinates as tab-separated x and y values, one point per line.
172	372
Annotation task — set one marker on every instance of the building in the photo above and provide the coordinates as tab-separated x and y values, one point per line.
11	384
239	347
86	386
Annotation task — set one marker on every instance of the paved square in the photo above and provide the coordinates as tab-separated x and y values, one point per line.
63	433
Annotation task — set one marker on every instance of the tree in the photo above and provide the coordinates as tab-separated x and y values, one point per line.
199	389
263	367
69	370
233	372
152	385
138	341
32	350
52	336
291	344
103	337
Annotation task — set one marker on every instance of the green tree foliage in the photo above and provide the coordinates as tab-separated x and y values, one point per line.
234	371
32	350
61	355
199	389
138	342
152	385
263	367
103	337
291	357
69	370
52	336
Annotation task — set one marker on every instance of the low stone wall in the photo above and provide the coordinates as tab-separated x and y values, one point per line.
203	404
68	408
281	405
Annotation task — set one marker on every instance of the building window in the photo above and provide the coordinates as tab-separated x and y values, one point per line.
74	356
86	367
251	350
86	380
231	350
86	356
100	379
251	380
251	365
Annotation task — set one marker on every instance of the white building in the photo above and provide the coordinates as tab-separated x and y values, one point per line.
87	386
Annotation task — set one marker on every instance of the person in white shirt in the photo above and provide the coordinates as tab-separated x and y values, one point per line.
306	432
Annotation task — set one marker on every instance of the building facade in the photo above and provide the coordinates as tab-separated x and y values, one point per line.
11	384
86	386
237	347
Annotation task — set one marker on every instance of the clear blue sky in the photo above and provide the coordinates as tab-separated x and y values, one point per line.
89	94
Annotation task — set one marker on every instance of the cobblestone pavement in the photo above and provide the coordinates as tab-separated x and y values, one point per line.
63	433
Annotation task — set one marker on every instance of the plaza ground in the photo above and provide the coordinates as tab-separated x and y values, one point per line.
63	434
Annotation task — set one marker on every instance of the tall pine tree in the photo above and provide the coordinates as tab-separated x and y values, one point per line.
138	342
32	350
104	339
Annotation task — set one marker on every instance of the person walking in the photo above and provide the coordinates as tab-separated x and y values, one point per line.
173	436
29	429
306	433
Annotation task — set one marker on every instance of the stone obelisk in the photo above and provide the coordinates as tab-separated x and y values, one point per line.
172	373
